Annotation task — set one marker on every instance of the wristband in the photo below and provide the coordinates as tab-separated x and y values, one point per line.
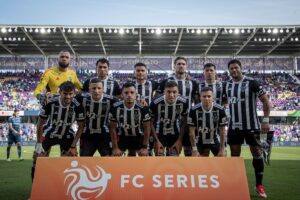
266	120
194	148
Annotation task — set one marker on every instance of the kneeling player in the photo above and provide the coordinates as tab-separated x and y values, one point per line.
207	119
133	121
169	113
96	105
55	121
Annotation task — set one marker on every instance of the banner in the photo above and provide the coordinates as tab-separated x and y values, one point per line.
140	178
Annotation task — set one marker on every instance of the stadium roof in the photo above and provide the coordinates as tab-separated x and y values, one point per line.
203	41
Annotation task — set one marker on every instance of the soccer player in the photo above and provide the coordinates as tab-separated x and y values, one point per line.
110	86
209	71
145	89
96	133
242	93
55	76
169	113
14	134
209	120
133	120
55	121
188	88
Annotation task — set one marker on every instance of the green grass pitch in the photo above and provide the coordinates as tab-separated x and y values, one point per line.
281	179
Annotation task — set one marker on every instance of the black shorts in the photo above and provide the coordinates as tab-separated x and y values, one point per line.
238	137
186	138
90	143
64	144
130	142
214	148
168	140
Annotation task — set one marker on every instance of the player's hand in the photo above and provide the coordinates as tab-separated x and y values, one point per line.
265	127
117	152
39	150
177	145
158	148
222	152
72	152
143	102
195	154
143	152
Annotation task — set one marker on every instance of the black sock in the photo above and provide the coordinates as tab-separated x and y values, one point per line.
19	151
258	165
7	152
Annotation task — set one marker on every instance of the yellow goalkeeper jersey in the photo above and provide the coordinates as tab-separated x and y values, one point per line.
53	78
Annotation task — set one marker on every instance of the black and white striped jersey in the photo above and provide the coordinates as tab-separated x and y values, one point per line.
167	116
110	86
96	113
60	118
242	99
188	88
130	121
207	123
218	90
146	90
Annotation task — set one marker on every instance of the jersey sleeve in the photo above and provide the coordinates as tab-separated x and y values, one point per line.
42	84
161	86
146	114
10	121
223	121
112	114
192	118
79	112
45	111
195	90
153	110
77	82
257	88
185	109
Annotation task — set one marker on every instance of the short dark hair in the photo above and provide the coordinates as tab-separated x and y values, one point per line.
179	58
170	84
16	110
206	89
235	61
67	86
102	60
207	65
95	80
128	84
140	64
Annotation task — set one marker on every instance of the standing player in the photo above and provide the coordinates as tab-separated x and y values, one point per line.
209	71
188	88
14	134
208	119
133	120
169	113
242	93
110	86
145	89
96	133
55	76
55	121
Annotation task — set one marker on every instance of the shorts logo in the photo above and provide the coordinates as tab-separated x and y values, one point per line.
82	184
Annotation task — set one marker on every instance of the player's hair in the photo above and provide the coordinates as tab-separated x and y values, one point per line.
206	89
16	110
128	84
102	60
235	61
140	64
67	86
179	58
64	51
170	84
95	80
207	65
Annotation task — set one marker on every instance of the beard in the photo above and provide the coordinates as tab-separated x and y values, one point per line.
63	65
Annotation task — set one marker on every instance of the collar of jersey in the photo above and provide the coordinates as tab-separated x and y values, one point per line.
236	82
98	100
59	100
125	107
205	111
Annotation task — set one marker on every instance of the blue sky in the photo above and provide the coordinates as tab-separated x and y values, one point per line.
152	12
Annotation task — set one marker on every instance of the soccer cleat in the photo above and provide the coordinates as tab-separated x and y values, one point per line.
260	191
8	159
21	159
